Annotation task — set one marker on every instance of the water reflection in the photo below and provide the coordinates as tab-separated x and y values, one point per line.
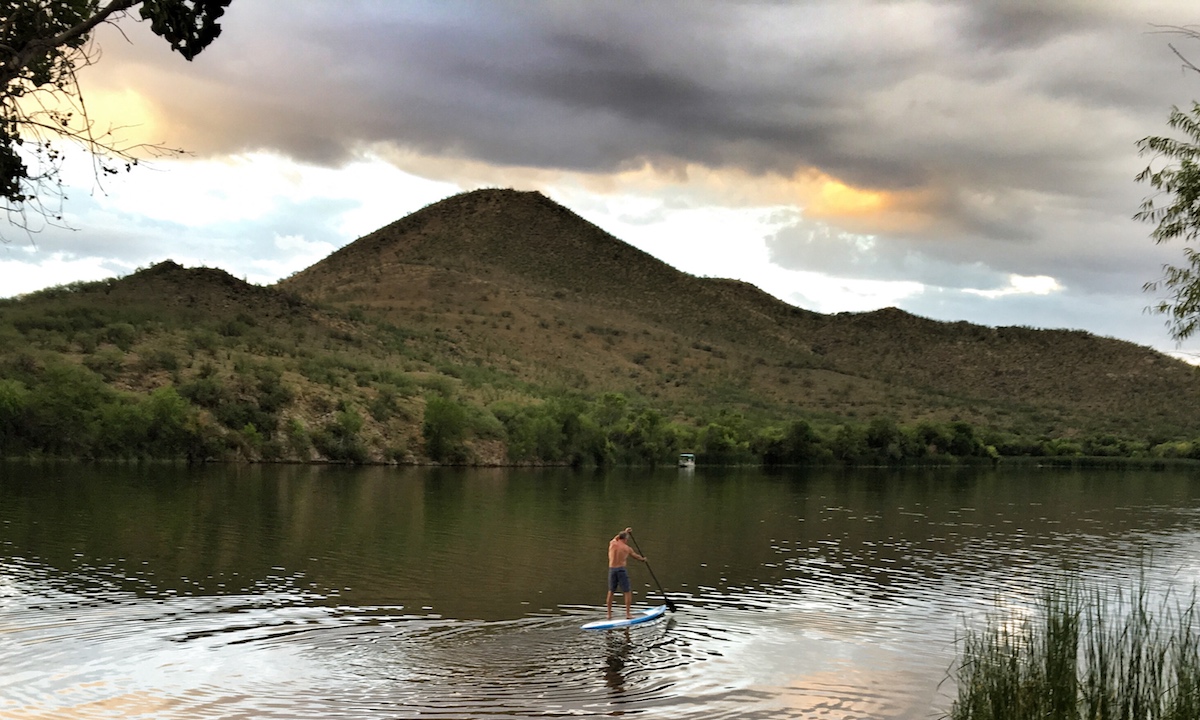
283	592
618	645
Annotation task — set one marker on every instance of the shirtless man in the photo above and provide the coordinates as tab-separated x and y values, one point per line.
618	579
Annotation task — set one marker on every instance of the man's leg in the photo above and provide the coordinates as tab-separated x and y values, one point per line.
628	604
610	594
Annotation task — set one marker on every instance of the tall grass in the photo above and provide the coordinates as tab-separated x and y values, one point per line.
1083	655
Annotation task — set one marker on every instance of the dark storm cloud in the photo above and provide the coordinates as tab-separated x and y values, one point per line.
1021	24
599	86
590	87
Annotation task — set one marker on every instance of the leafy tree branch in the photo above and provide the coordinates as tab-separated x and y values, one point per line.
1174	208
43	44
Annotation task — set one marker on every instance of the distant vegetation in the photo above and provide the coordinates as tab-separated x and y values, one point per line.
434	341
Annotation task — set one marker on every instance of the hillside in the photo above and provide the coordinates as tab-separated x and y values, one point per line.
515	280
497	326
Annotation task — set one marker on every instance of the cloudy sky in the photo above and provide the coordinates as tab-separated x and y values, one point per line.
960	160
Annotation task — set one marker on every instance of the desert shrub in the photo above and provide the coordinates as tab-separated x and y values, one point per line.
439	384
1061	447
535	434
444	429
159	359
171	423
236	414
123	335
884	436
64	408
383	405
798	443
298	441
338	440
720	443
14	400
559	430
323	370
106	363
204	339
963	441
273	395
207	391
233	328
122	431
481	423
849	444
609	410
252	438
646	439
401	383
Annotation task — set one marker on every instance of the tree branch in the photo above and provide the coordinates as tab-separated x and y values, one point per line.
12	68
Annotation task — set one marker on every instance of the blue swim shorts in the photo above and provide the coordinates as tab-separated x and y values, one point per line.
618	579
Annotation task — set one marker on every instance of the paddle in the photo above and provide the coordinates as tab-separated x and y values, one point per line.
667	600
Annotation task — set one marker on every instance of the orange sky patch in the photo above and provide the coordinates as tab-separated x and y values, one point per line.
837	199
120	118
866	211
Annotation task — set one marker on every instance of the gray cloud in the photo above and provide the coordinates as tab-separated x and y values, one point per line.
881	95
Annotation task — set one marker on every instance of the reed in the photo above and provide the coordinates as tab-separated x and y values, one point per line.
1083	654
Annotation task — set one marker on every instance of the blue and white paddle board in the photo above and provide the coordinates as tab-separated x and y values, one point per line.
646	616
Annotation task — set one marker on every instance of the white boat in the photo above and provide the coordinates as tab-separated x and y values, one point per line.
687	460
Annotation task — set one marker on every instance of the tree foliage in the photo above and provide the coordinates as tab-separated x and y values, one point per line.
43	43
1174	209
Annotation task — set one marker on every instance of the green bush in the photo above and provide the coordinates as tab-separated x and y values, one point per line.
444	429
798	444
123	335
273	395
338	440
205	391
159	359
383	405
298	441
64	408
14	402
237	414
204	339
107	363
646	439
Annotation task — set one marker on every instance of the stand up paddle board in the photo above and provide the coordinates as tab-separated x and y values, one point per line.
644	617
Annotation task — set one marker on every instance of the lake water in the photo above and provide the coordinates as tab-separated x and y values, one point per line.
297	592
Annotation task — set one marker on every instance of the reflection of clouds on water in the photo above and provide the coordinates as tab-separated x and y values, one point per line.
791	662
850	693
125	705
844	603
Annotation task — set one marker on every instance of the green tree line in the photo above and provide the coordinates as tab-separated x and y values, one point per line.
61	409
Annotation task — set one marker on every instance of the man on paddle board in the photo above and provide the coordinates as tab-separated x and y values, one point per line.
618	578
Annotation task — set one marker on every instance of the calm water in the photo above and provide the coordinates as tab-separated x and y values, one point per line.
400	593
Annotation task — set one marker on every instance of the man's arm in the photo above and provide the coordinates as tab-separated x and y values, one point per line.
629	532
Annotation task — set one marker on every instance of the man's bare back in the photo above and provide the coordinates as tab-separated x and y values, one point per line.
619	552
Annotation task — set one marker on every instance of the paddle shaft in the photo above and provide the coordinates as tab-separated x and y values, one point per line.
670	605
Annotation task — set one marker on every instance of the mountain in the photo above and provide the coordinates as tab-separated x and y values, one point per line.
499	326
513	280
